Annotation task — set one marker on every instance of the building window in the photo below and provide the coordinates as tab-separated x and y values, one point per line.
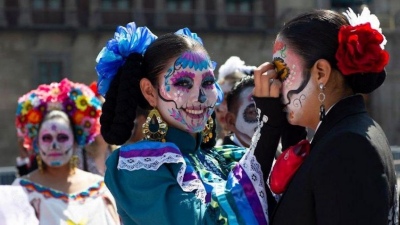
50	67
106	4
239	6
239	13
38	4
180	5
116	12
180	13
48	11
50	71
115	4
12	12
54	4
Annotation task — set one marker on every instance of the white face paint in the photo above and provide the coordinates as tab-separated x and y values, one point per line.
56	141
187	92
300	94
246	118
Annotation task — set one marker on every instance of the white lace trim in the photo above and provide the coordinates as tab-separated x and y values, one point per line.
153	163
253	168
257	134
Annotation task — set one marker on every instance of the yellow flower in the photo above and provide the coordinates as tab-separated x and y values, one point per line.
82	222
26	106
81	102
281	68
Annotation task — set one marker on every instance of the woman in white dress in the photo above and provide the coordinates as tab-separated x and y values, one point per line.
56	120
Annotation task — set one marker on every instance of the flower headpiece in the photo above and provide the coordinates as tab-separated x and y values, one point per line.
127	40
75	99
361	44
93	87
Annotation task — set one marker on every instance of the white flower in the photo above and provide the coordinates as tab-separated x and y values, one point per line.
365	17
178	96
35	102
231	65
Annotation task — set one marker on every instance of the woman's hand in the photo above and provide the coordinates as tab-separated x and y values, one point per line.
265	82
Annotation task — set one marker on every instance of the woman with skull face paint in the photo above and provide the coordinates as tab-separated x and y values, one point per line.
171	177
323	59
55	120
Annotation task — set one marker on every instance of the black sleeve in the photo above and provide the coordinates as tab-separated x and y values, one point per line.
25	169
270	133
22	170
270	109
350	185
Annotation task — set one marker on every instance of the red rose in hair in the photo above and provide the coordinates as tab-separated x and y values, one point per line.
360	51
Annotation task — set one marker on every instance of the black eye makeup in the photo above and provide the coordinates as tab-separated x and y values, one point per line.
250	114
47	138
184	82
208	82
62	138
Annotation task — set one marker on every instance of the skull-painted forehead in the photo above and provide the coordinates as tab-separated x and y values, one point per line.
279	56
188	91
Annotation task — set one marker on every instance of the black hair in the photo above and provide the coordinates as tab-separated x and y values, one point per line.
233	96
141	112
314	35
124	94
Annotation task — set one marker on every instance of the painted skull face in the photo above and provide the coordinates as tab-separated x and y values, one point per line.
187	92
246	118
56	142
296	89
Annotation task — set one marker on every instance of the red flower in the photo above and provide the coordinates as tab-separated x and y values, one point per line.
360	51
34	116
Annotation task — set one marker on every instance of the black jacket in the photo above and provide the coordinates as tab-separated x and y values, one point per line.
349	176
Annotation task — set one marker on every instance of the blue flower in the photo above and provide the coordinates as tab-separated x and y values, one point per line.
127	40
187	32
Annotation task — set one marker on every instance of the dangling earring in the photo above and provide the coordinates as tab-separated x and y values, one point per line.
207	132
154	128
321	98
73	163
39	163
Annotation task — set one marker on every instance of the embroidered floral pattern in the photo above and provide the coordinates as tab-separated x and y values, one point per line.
92	191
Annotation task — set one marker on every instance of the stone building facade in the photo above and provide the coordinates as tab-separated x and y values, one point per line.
45	40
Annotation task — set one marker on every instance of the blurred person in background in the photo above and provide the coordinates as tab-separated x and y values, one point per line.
55	120
229	73
92	157
26	160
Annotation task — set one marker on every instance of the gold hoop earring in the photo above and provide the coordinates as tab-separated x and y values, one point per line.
39	163
207	132
154	128
73	163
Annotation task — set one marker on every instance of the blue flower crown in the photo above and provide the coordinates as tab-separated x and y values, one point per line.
127	40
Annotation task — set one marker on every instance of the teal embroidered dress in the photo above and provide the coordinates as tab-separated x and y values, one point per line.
177	182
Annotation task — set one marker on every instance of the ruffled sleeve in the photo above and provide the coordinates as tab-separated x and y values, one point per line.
154	178
152	185
242	200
